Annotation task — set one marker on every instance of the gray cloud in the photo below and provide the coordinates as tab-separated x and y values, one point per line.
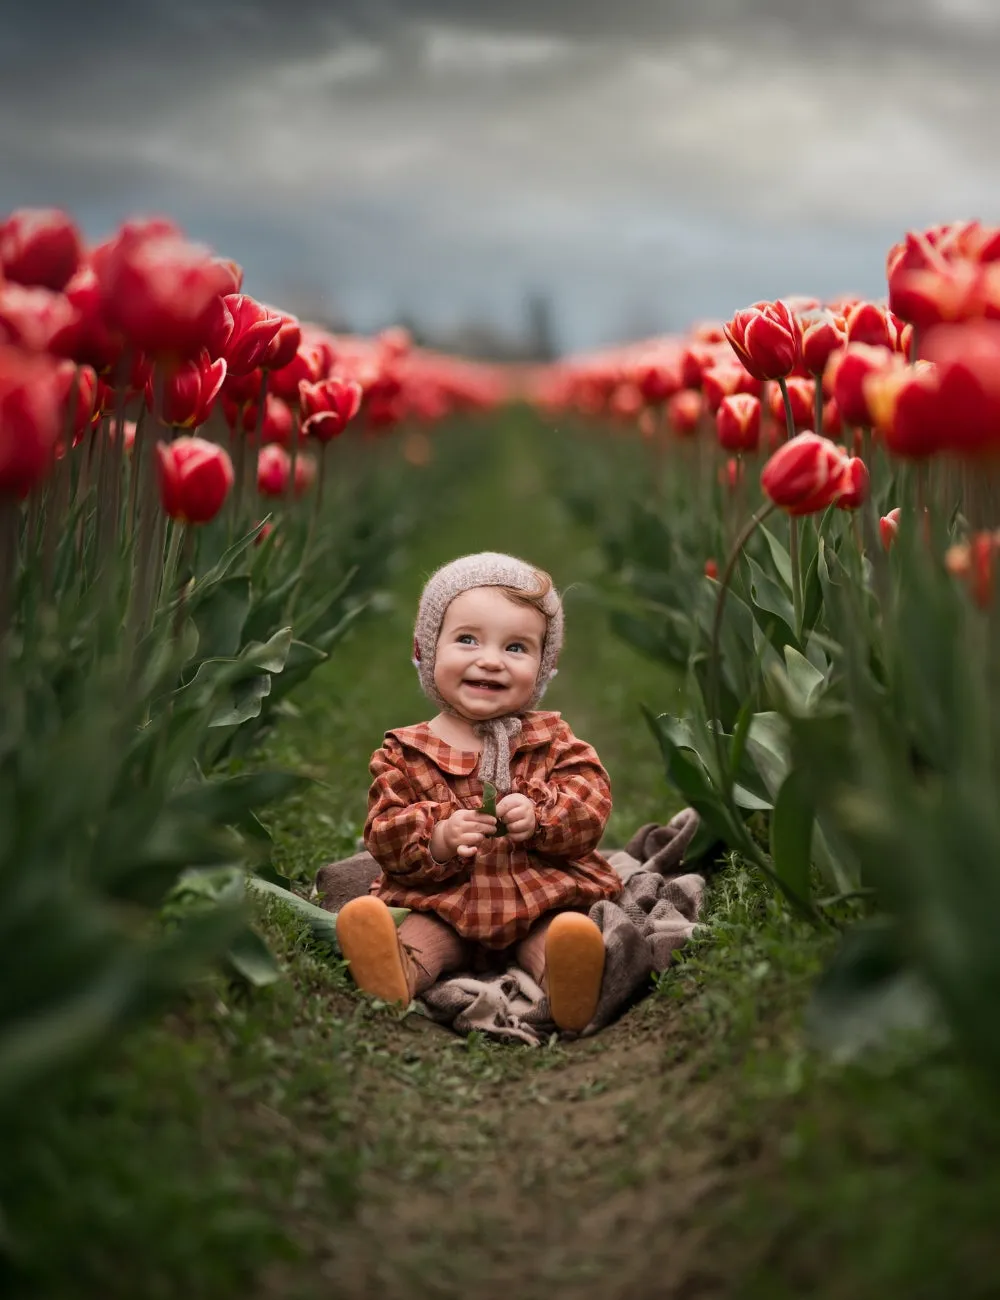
660	160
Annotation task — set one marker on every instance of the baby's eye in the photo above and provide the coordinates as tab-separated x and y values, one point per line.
466	638
519	646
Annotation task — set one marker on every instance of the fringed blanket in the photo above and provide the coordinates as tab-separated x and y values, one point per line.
654	915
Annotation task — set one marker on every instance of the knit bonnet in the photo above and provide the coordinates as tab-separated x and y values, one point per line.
485	569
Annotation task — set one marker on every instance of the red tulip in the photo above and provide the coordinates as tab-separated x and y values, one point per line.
855	486
695	360
625	402
658	380
284	345
738	422
274	467
39	246
684	411
95	344
801	396
805	474
159	290
711	569
888	527
725	379
905	408
394	342
265	532
329	405
240	389
848	369
967	362
306	366
189	392
975	562
195	478
731	474
32	402
37	319
767	339
821	335
832	423
89	407
243	331
868	323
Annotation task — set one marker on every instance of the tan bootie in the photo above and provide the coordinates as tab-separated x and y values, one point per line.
370	943
574	968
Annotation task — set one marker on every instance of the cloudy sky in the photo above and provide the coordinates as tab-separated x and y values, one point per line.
646	163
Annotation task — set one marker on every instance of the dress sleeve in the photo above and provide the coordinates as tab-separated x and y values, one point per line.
399	824
573	804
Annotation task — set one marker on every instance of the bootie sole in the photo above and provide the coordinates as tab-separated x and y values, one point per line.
574	967
369	942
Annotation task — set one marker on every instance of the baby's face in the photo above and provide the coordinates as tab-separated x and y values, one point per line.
488	654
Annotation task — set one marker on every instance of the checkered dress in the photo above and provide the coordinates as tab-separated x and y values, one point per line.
494	898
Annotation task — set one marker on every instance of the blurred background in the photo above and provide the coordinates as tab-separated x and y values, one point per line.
512	177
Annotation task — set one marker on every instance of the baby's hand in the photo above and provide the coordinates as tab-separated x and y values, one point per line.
461	834
518	814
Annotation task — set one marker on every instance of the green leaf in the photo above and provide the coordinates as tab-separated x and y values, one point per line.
245	702
868	993
272	654
768	596
805	681
251	958
232	800
224	563
220	616
779	556
791	835
767	746
812	593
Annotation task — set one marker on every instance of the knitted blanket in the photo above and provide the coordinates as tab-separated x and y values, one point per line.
654	915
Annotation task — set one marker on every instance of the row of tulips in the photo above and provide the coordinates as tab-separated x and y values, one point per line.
197	497
834	608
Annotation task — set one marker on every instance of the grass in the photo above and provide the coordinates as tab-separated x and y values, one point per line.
302	1143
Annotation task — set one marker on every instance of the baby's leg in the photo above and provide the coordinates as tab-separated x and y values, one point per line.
433	948
564	953
396	963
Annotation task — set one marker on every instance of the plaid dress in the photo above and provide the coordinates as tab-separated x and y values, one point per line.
495	897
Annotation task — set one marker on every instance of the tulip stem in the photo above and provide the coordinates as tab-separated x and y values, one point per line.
135	468
9	522
793	523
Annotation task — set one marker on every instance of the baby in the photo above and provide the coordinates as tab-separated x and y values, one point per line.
488	633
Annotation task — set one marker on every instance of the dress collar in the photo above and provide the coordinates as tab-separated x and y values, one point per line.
539	727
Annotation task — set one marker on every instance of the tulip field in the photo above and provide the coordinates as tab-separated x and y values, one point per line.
778	537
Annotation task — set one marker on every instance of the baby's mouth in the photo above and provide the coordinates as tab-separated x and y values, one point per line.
485	686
